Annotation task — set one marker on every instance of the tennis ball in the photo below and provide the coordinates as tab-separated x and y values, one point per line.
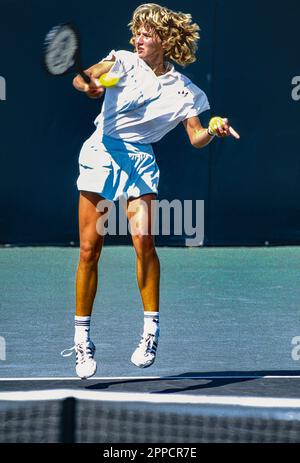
214	123
108	81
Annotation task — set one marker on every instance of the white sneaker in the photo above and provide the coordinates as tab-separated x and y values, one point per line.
86	365
144	355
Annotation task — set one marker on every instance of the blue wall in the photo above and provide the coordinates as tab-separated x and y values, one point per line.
248	56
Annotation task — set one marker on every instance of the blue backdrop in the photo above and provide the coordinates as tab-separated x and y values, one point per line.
247	59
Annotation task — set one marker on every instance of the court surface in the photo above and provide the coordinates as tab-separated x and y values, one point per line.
228	319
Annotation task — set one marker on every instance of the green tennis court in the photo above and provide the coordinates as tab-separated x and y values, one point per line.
222	310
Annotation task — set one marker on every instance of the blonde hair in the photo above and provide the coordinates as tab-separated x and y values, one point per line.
178	34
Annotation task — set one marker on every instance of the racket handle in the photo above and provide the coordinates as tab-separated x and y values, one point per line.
84	76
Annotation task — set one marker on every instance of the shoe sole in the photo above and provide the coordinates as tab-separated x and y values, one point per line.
141	365
89	376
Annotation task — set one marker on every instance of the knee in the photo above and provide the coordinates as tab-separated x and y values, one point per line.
89	253
144	246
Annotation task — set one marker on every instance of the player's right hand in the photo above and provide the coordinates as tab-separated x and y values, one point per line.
95	91
92	90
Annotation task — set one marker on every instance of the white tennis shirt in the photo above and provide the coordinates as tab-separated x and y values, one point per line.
144	107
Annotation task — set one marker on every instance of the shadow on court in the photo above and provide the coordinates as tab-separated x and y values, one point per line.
254	383
277	383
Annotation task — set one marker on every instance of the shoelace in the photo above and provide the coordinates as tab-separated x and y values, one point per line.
81	352
71	350
147	342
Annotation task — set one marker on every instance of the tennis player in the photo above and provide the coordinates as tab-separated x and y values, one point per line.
150	99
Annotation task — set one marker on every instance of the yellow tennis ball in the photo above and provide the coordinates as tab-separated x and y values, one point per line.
108	81
214	123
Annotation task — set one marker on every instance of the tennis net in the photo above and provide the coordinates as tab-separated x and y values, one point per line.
71	416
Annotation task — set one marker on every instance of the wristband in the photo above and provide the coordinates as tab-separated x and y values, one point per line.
210	133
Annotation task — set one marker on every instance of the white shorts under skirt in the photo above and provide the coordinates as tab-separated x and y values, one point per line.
114	168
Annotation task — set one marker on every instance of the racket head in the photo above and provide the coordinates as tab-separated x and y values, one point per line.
61	51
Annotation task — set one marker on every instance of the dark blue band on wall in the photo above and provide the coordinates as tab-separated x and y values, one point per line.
248	63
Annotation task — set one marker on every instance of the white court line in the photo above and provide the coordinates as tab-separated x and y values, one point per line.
174	378
57	394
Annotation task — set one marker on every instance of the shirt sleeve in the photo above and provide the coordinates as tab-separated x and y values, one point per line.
124	61
200	102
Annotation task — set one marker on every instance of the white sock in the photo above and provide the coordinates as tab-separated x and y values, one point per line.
82	329
151	322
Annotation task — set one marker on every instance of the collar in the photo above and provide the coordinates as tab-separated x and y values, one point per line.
167	78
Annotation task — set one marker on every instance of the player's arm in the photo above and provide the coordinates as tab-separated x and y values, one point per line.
93	89
198	135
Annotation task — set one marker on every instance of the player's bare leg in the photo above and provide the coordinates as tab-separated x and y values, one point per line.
91	242
140	214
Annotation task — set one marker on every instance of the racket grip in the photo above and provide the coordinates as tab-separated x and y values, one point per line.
84	76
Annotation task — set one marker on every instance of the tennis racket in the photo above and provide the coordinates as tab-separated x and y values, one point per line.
61	53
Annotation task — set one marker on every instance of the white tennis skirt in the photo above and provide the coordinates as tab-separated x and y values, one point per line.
114	168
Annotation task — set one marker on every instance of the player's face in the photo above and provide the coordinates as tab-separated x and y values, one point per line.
147	43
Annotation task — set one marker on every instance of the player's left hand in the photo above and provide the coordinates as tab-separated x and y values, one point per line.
225	130
221	128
